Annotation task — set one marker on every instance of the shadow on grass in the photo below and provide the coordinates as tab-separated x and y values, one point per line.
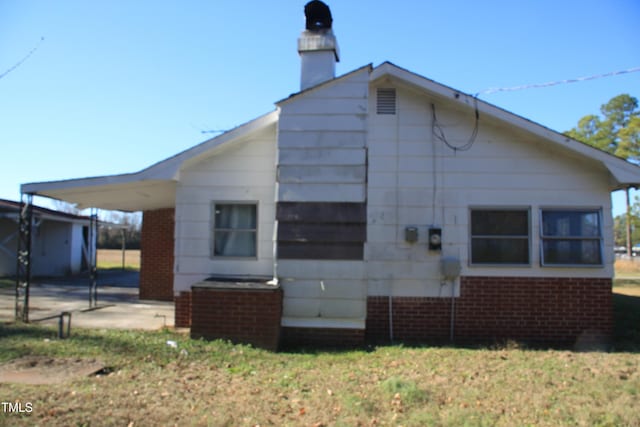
17	330
22	340
626	316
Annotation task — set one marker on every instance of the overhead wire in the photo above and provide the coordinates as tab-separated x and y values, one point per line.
557	82
27	56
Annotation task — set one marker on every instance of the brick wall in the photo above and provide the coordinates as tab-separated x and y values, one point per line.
243	316
554	310
322	337
182	314
156	258
415	320
542	310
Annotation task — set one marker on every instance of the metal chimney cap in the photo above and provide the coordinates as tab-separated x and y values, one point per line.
311	41
318	16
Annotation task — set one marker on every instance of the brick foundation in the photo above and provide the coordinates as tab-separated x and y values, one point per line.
560	311
183	310
537	310
415	320
322	337
243	316
156	257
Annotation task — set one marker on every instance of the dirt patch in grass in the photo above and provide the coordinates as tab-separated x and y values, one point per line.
47	370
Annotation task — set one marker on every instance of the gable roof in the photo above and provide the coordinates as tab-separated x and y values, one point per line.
624	173
154	187
10	208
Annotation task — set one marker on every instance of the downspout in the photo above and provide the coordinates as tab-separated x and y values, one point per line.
390	318
453	309
450	269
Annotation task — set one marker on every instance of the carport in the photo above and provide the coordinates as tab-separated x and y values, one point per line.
151	190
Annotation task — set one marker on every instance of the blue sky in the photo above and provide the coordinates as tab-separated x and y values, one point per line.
118	85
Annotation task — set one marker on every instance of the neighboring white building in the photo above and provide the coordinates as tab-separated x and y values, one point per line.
58	241
388	206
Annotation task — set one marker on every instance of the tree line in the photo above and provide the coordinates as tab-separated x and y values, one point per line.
617	131
114	226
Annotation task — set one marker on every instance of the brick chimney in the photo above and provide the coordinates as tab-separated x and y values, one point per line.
317	46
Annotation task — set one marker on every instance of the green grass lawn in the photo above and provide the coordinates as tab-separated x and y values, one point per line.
7	282
148	382
220	384
112	259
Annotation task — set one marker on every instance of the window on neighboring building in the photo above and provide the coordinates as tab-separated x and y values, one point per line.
571	237
235	230
500	236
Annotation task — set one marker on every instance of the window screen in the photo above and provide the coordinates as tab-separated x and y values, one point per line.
500	236
571	237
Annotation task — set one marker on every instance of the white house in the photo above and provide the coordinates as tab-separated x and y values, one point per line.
59	241
387	206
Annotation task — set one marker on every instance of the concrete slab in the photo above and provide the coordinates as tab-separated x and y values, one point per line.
118	304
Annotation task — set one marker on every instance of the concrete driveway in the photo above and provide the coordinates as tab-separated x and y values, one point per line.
118	303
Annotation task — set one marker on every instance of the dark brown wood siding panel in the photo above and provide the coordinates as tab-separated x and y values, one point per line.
321	230
322	250
305	232
319	212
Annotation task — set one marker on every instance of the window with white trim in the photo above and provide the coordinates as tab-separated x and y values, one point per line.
500	236
235	230
571	237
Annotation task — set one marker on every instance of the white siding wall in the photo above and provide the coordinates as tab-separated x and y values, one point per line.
243	172
75	251
322	158
415	180
322	143
51	250
56	250
9	240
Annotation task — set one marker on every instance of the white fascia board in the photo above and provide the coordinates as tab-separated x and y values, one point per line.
70	184
625	173
165	170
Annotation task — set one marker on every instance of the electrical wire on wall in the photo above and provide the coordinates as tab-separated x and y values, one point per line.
434	164
439	134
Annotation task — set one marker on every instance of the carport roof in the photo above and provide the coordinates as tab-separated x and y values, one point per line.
148	189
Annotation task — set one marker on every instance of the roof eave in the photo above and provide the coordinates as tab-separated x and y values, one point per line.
157	180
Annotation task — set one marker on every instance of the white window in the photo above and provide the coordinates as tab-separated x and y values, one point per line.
571	237
235	230
500	236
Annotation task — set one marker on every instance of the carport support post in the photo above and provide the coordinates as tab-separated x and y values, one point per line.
23	252
124	247
93	251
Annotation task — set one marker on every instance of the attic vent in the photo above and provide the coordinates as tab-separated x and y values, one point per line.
386	101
